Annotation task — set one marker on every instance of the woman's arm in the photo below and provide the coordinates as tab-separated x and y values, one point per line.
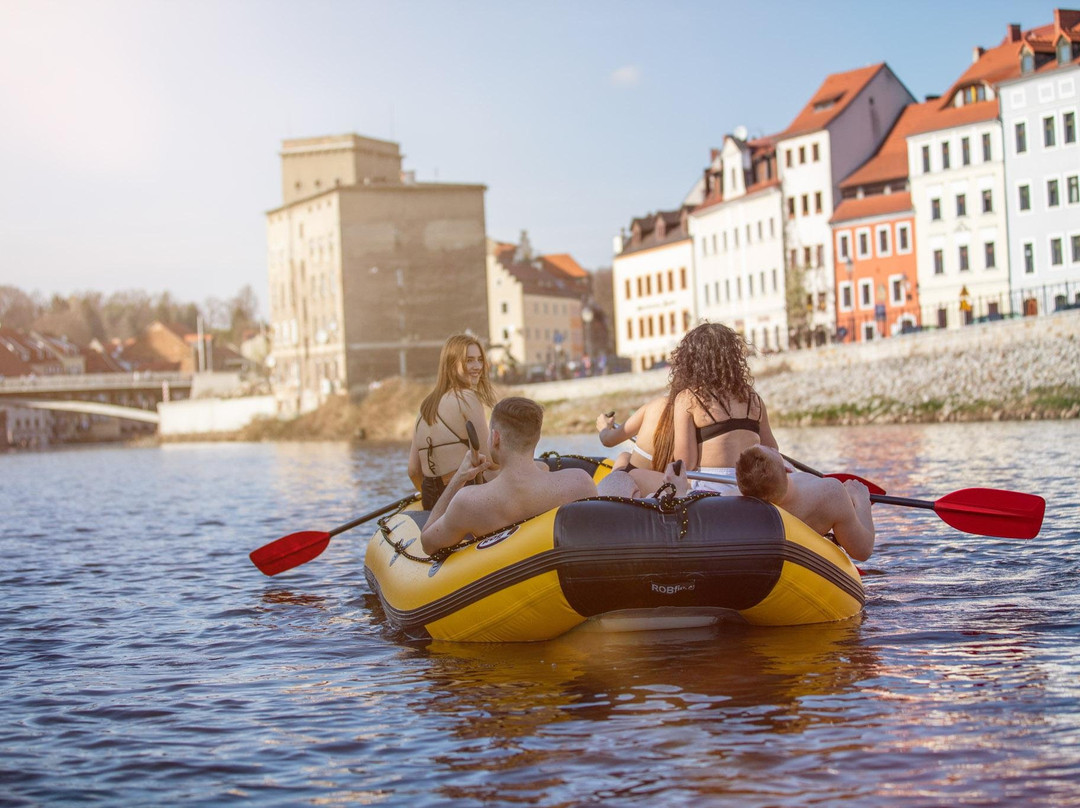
767	437
686	448
612	434
415	474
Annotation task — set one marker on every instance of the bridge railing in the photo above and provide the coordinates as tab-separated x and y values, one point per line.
138	380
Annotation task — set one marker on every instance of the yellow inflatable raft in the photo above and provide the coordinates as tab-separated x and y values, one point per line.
628	563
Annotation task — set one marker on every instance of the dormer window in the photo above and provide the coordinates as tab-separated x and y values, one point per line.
826	103
1027	61
1064	51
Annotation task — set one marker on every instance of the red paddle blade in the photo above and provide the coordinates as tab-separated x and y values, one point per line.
991	512
872	487
289	551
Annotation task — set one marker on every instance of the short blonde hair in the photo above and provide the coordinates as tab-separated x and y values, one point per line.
761	474
519	421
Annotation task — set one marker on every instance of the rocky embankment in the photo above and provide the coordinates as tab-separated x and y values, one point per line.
1012	371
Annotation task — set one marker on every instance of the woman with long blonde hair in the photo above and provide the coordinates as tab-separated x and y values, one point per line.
440	440
716	413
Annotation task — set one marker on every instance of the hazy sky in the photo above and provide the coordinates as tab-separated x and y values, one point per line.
139	140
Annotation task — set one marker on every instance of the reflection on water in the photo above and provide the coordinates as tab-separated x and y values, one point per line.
146	662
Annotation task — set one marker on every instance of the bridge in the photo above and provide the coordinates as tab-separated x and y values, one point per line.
91	408
127	396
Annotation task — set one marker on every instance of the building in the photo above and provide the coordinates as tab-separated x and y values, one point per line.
1039	111
839	128
369	270
536	305
737	232
873	239
654	295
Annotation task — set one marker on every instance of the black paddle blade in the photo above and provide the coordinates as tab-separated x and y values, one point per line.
289	551
993	512
474	439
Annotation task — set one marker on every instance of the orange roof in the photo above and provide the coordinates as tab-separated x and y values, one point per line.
562	262
757	187
832	98
891	160
876	205
949	117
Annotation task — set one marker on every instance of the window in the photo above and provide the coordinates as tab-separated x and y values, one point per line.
845	296
1021	137
961	204
776	287
942	317
1027	61
1076	248
884	248
1049	131
945	155
735	237
815	151
794	258
1073	189
965	150
817	201
1057	256
939	262
903	238
750	286
863	237
1029	258
787	158
964	265
682	277
844	246
629	329
628	289
806	256
791	207
640	287
866	293
821	255
896	290
748	239
1053	198
1068	127
988	253
1064	51
802	154
935	209
806	204
926	159
648	289
986	147
505	307
1025	197
987	201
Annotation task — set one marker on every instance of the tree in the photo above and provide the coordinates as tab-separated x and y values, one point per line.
17	309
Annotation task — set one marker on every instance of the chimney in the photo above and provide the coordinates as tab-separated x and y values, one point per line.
1065	18
976	54
1014	32
932	97
619	243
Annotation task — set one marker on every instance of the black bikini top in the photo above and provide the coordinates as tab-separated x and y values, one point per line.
710	431
431	447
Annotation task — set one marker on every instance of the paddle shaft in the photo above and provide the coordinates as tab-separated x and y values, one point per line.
367	517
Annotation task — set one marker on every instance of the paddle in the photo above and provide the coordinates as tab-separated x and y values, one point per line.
981	511
474	439
299	548
873	488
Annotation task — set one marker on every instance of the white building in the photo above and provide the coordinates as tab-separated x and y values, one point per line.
1039	116
653	289
738	243
841	126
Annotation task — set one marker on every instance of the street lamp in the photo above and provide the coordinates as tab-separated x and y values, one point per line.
850	266
587	315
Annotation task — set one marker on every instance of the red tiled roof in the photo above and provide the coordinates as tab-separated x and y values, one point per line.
891	160
876	205
837	91
949	117
756	188
564	263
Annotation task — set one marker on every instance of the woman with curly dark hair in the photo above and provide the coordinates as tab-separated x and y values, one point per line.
716	411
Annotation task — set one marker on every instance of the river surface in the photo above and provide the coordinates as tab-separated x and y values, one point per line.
146	662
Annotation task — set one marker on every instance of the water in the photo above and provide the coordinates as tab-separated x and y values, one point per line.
146	662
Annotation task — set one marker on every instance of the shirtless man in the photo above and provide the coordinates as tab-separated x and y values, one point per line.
823	503
521	490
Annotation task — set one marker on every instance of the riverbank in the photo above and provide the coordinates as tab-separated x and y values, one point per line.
997	372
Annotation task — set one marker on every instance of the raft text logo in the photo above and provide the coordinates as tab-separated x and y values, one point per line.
495	538
672	589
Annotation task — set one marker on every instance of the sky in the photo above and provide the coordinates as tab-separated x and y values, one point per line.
139	140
